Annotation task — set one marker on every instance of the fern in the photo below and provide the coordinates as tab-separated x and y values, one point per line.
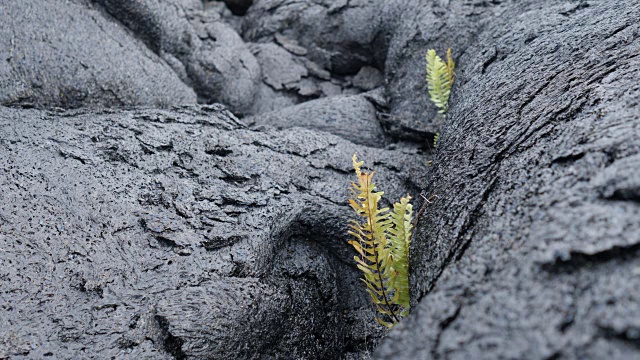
440	77
400	236
382	240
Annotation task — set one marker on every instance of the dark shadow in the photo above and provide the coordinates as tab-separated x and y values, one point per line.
238	7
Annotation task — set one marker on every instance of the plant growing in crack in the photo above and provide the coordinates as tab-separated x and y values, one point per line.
440	78
382	238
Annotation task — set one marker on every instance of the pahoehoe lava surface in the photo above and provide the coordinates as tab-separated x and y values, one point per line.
141	219
531	252
179	233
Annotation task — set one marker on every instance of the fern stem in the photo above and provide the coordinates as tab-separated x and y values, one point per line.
379	274
415	222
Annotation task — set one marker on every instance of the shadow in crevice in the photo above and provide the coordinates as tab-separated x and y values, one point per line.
314	263
238	7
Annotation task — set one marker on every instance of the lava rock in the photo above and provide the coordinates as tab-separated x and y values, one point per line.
368	78
279	68
207	52
531	249
69	55
341	36
180	234
351	117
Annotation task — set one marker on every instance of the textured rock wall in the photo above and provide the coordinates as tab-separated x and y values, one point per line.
531	250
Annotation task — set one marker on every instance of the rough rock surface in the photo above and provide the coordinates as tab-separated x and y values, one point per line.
186	233
355	37
531	251
341	36
351	117
69	55
179	233
205	51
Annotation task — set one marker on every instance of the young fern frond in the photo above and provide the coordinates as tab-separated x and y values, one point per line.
381	239
440	77
400	237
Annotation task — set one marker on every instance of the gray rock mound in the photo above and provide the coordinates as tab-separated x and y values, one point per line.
206	52
68	55
351	117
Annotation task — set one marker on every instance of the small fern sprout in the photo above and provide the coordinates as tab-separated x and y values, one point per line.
382	238
440	77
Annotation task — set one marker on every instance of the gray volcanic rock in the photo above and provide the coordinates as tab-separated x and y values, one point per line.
351	117
205	51
279	69
532	249
368	78
180	233
68	55
341	36
289	79
185	234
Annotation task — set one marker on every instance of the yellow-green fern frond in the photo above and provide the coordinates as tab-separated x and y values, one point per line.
381	239
440	77
400	238
371	241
